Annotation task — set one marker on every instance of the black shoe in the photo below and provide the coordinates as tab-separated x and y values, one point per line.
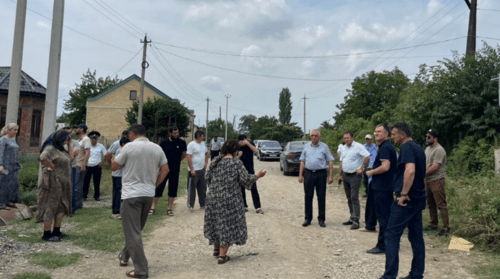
354	226
63	235
51	239
97	199
306	223
443	233
375	250
84	199
348	223
406	277
322	224
430	228
365	196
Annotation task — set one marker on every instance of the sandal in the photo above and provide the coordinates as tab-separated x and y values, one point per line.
216	252
122	262
11	204
132	274
170	212
223	259
151	212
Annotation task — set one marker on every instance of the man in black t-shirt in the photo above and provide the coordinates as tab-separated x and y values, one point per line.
407	210
246	152
175	151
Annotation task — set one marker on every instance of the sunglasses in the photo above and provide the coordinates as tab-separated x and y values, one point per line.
428	137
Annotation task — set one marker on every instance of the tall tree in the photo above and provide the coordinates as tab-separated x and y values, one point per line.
90	86
217	127
285	104
259	129
247	122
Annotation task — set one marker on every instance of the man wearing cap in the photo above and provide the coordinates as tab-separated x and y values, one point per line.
94	166
81	161
434	182
370	217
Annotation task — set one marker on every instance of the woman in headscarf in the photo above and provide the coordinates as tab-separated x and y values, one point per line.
9	166
225	222
54	191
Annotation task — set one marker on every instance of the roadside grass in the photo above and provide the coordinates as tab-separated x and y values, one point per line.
53	260
31	275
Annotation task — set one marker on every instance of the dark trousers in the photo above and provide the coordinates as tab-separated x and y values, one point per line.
436	199
370	215
365	180
134	216
78	188
117	194
214	154
382	206
400	218
198	184
75	173
314	180
351	187
95	173
255	196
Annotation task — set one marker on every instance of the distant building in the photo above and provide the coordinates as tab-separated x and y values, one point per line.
31	109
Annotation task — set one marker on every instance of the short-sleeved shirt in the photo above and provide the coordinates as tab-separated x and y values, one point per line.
197	152
75	146
385	181
373	153
114	149
411	152
215	145
84	144
436	154
316	157
339	149
173	150
96	154
140	160
247	158
353	156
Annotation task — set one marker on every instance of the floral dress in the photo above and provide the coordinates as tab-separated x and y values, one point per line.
225	214
9	179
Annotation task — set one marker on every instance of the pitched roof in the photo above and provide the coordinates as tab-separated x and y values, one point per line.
28	84
134	76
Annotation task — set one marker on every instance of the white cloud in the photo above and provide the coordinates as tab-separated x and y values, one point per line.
42	24
375	32
309	36
311	68
434	6
211	83
258	63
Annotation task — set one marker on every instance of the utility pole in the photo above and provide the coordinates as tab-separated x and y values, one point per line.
471	33
305	115
144	65
227	106
234	120
16	65
220	113
206	128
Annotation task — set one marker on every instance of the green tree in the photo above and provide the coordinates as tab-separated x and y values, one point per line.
283	133
169	111
218	128
326	125
247	122
259	128
90	86
285	105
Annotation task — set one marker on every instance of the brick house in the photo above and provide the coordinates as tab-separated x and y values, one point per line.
31	109
106	112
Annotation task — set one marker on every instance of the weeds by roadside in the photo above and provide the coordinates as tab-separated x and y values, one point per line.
31	275
53	260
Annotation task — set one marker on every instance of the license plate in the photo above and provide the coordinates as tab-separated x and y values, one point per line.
273	155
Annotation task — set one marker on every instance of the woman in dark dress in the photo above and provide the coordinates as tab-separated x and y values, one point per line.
225	222
9	166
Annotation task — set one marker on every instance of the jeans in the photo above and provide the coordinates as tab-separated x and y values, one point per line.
370	215
95	173
255	196
117	194
400	218
382	206
315	180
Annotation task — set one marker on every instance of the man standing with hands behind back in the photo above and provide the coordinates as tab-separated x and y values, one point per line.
314	160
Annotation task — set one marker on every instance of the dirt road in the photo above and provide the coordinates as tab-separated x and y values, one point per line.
278	246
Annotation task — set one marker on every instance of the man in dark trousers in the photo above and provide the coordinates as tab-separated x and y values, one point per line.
175	151
382	191
407	210
247	150
314	160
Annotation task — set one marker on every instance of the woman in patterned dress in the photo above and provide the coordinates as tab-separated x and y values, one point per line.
54	191
225	222
9	166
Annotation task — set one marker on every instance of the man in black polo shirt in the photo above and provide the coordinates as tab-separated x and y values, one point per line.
175	150
407	210
247	150
381	195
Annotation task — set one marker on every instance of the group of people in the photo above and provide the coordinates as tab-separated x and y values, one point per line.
415	176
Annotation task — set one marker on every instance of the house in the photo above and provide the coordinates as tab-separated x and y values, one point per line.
106	112
31	110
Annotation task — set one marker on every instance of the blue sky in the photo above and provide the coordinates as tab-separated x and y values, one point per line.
262	40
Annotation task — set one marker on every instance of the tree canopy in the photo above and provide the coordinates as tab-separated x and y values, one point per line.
285	106
247	122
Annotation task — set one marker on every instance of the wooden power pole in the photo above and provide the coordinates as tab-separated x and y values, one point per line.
144	65
471	33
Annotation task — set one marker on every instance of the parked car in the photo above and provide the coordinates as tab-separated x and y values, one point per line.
289	158
269	149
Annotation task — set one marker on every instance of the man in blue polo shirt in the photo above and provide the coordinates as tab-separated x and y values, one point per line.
315	158
407	210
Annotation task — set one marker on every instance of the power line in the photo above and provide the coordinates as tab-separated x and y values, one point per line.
123	19
127	62
112	20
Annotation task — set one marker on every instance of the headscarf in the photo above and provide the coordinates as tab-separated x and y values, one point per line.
57	140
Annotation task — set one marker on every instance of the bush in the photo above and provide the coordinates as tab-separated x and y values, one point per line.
28	180
472	157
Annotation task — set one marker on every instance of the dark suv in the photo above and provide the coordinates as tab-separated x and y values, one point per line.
269	149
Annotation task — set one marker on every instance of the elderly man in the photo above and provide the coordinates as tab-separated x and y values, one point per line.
352	165
435	181
407	211
315	158
382	188
140	160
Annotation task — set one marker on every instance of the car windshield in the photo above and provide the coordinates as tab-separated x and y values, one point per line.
271	144
296	146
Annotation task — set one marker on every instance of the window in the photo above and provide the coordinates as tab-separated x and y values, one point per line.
35	128
133	95
3	117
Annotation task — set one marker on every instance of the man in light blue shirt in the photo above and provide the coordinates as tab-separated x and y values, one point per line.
372	148
314	160
352	164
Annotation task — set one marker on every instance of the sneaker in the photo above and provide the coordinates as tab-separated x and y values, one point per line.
348	223
430	228
116	216
354	226
63	235
375	250
259	211
51	239
97	199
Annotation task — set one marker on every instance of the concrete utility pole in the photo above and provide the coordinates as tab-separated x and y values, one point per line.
206	128
471	33
16	65
227	106
51	97
144	65
220	113
305	115
234	120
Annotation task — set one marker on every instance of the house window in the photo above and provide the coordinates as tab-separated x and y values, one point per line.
36	120
133	95
3	117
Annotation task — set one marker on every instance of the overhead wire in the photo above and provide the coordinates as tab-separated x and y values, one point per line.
127	62
120	17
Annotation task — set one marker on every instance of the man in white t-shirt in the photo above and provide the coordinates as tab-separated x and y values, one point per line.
94	166
139	160
81	162
197	157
